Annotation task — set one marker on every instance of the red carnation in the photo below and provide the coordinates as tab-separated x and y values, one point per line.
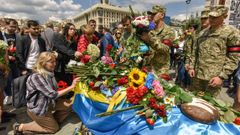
109	47
123	80
131	96
142	91
160	110
62	85
237	121
85	59
91	84
152	103
112	65
167	42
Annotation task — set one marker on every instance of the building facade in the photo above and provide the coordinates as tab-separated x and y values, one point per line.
234	10
103	13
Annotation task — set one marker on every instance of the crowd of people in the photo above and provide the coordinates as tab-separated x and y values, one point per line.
209	55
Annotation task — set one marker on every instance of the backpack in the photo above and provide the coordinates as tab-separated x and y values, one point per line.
18	89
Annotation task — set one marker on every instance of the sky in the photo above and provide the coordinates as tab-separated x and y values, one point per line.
44	10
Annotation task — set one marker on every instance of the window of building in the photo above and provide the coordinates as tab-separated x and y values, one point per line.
100	20
100	13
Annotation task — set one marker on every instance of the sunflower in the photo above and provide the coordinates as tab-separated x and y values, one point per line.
134	85
137	77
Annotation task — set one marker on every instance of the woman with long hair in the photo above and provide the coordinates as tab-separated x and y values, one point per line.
69	38
42	98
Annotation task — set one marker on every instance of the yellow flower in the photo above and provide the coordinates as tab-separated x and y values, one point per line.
134	85
137	77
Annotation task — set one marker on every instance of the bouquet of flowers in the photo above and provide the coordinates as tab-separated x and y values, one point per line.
3	47
141	21
12	52
91	54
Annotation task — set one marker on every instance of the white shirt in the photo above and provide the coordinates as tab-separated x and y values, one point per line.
33	54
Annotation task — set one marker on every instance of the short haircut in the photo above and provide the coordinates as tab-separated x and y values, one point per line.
9	20
32	23
87	29
49	25
126	18
91	21
106	29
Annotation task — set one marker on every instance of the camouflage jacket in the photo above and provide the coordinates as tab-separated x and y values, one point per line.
161	59
211	57
188	48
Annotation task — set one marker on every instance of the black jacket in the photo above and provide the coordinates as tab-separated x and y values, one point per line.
23	50
65	50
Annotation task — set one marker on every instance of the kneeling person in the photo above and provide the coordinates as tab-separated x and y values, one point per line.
42	98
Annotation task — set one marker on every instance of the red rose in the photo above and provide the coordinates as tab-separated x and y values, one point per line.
62	85
123	80
112	65
91	84
237	121
150	121
85	59
12	49
167	42
109	47
165	77
142	91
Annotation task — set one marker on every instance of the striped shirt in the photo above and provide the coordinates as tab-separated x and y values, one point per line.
40	93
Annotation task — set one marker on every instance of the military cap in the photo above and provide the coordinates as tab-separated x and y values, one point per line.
216	11
156	9
205	13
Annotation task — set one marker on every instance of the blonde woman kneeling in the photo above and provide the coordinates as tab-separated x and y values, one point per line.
42	98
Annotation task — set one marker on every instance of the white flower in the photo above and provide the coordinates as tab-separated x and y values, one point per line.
139	59
141	20
71	63
3	45
80	64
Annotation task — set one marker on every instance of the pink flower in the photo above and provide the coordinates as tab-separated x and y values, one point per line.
106	60
158	89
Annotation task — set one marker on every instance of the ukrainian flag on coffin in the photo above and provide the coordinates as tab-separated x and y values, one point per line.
89	103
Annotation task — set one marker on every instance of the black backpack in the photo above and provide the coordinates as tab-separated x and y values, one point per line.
18	88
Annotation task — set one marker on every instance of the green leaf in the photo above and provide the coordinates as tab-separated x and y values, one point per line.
229	116
177	100
220	102
98	83
165	119
96	72
114	72
185	97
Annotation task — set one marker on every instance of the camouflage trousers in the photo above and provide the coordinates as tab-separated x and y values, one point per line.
198	85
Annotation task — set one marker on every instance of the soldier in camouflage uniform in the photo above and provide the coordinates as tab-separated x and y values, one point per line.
188	46
161	38
214	57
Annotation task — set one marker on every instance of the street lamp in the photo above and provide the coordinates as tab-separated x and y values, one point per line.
187	2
